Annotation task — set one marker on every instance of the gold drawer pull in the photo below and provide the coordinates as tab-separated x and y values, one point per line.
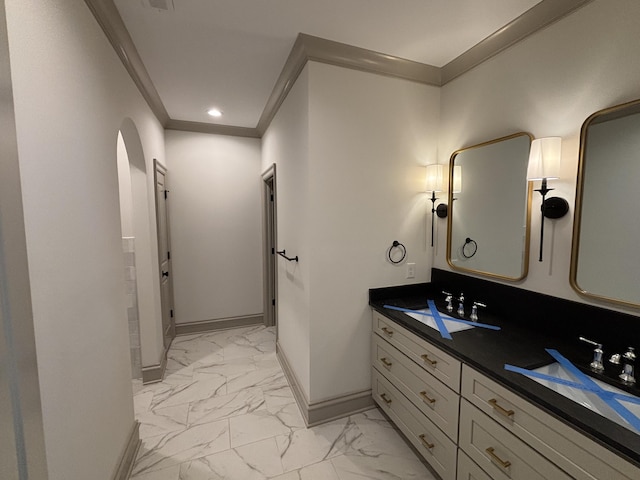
387	331
383	396
424	442
386	362
507	413
426	358
426	398
503	463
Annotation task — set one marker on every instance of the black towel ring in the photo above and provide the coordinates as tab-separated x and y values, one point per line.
469	248
397	244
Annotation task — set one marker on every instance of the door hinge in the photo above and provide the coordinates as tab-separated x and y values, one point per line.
273	251
171	312
272	197
168	255
273	302
165	194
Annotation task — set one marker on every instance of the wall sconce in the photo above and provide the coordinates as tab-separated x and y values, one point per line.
435	183
544	164
442	210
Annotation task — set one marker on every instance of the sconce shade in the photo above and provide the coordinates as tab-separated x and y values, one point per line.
435	178
544	158
457	178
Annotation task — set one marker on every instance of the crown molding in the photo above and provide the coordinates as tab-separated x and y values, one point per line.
536	18
307	47
202	127
108	17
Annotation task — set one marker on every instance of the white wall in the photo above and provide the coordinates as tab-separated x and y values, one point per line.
286	143
71	95
370	139
216	225
547	85
350	180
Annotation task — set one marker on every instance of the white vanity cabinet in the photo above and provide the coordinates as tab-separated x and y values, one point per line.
469	427
417	385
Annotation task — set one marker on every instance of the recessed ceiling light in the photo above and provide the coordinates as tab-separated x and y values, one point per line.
214	112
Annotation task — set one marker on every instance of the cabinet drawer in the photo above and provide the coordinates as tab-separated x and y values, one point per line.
436	448
434	399
500	453
438	363
576	454
468	470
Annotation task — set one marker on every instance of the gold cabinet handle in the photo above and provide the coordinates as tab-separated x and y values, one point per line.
387	331
386	362
424	442
426	358
501	410
383	396
427	399
503	463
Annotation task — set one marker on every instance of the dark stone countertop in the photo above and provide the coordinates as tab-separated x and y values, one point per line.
487	351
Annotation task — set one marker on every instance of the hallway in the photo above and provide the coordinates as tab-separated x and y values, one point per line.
225	411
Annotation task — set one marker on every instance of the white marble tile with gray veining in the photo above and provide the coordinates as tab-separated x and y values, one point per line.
229	368
257	461
174	448
305	447
170	473
266	378
260	425
278	395
318	471
226	406
163	420
379	465
189	392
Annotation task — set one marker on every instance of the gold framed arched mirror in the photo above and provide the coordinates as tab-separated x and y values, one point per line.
489	218
606	228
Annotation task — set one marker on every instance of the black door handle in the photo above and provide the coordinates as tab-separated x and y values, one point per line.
165	274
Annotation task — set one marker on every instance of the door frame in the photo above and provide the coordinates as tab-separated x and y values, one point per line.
269	245
160	168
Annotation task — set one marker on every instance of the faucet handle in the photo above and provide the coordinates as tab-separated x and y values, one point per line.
449	300
474	311
461	305
596	364
629	359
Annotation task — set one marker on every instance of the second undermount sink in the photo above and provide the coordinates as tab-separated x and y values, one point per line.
428	320
588	399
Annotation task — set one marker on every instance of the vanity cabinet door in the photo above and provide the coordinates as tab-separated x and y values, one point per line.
436	448
500	453
581	457
433	360
468	470
435	400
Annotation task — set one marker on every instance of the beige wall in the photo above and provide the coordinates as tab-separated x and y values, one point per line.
547	85
286	143
344	195
216	225
71	96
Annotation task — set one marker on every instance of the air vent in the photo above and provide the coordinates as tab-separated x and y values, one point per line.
166	5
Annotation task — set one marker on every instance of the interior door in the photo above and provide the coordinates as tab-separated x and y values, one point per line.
164	254
269	247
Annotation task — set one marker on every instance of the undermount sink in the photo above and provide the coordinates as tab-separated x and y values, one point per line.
452	326
586	398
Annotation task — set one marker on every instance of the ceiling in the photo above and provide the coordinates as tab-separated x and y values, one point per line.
230	53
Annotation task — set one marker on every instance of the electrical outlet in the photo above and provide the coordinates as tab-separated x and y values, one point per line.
411	270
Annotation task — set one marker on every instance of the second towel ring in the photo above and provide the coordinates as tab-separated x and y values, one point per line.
469	248
397	244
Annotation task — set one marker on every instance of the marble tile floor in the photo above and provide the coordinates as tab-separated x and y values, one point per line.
225	411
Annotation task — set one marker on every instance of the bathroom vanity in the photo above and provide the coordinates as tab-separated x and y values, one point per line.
472	419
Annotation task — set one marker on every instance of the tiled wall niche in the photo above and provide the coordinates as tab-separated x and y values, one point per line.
131	292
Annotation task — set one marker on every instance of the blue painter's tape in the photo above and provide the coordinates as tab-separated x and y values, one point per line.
585	379
439	322
449	319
